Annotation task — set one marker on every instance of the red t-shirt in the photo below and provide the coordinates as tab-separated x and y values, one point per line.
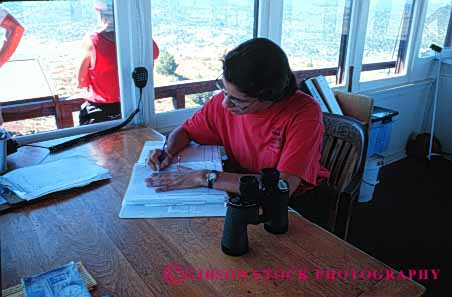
287	136
103	76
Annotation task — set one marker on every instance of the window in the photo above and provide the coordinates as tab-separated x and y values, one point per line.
386	43
437	26
315	33
193	36
38	85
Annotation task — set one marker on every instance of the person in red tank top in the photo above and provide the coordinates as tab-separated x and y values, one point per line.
13	34
260	118
98	71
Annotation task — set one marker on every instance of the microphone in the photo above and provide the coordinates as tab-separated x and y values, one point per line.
436	48
140	79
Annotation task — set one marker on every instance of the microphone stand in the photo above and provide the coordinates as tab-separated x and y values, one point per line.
439	58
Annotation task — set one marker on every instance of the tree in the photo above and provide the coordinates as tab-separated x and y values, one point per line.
166	64
202	98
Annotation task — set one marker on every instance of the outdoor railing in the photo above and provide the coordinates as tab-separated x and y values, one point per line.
62	108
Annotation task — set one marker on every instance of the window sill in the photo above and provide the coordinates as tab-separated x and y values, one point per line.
383	83
61	133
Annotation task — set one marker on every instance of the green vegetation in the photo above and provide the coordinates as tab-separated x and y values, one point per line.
166	64
202	98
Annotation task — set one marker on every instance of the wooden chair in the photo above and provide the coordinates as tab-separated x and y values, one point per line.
344	155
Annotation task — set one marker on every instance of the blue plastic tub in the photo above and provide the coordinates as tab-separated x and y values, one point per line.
380	130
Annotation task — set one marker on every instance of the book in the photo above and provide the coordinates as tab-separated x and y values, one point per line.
327	94
62	281
308	87
141	201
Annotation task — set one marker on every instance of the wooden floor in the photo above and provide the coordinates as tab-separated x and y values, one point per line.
407	224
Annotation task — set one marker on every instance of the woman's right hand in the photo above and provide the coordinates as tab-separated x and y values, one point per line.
158	159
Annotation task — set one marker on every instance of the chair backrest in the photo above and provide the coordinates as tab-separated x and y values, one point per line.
343	150
359	107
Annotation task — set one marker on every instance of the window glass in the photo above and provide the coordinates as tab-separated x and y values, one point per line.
193	36
435	25
314	31
47	62
388	29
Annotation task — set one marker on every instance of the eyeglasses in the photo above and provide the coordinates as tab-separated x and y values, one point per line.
240	103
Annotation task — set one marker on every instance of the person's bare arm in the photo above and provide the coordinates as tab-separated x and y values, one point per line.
85	63
229	182
294	182
14	33
176	142
226	181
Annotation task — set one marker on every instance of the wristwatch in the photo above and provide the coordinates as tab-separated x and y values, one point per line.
211	177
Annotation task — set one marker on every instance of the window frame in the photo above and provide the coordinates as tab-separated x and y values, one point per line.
166	121
448	39
133	26
277	11
408	55
421	67
345	43
414	71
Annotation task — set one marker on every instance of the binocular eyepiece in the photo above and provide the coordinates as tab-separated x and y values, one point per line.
271	194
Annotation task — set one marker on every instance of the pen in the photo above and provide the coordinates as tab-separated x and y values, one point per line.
162	155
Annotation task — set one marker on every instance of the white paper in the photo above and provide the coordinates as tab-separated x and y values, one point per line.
35	181
173	211
193	153
141	201
139	193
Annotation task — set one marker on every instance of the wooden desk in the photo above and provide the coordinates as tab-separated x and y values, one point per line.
128	257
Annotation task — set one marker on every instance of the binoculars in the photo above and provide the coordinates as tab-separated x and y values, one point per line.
271	195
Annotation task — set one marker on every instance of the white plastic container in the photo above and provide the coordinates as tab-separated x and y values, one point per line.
370	178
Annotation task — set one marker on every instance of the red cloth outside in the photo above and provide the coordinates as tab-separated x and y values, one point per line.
103	76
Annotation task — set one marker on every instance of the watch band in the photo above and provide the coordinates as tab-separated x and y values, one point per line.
212	176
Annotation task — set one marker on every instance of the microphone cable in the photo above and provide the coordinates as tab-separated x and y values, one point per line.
140	77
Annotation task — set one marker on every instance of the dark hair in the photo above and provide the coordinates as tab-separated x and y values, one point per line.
259	68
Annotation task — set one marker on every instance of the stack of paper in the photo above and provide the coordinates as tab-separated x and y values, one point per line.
35	181
141	201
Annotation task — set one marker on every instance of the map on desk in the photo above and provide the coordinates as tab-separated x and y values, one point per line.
141	201
63	281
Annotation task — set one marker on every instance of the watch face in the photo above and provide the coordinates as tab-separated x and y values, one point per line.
211	176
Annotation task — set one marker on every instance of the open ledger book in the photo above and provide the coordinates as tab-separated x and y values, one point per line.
141	201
